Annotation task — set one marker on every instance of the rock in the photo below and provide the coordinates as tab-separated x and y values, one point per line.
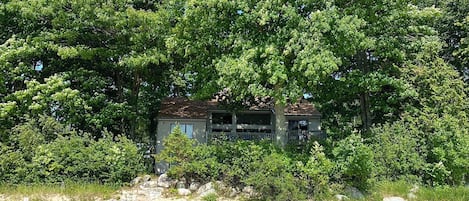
128	196
341	197
155	194
220	185
149	184
165	182
233	192
411	196
194	186
146	178
181	184
354	193
393	199
183	192
414	189
249	191
206	189
135	181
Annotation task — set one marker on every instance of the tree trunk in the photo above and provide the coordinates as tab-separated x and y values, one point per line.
363	60
365	111
134	103
280	125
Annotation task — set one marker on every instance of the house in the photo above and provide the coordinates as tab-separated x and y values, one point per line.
206	120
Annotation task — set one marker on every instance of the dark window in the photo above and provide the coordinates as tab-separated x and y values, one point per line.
222	118
297	125
259	119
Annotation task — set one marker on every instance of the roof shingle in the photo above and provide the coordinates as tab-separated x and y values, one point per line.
184	108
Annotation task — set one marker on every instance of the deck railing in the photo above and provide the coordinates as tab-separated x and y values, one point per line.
293	136
301	136
240	136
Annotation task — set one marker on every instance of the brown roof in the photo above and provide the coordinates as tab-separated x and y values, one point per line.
302	107
181	107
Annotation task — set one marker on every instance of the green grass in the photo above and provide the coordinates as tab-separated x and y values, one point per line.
76	191
444	194
401	189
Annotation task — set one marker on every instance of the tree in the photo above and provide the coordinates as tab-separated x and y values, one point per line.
368	87
452	32
278	49
113	52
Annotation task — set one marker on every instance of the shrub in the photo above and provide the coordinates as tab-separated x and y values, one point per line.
354	161
187	160
81	158
316	172
431	148
272	178
122	160
398	151
238	159
12	165
448	145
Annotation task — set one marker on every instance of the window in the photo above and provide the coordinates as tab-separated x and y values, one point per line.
188	129
222	118
253	118
297	125
38	66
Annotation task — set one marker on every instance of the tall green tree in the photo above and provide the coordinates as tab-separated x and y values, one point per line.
278	49
112	51
452	31
367	88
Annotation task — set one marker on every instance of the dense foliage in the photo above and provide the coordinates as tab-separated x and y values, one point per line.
44	150
81	81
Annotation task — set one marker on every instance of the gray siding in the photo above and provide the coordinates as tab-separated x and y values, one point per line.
164	128
314	124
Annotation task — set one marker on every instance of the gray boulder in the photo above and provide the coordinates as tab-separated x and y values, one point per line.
341	197
166	182
194	186
206	189
411	196
183	192
135	181
233	192
354	193
146	178
149	184
249	191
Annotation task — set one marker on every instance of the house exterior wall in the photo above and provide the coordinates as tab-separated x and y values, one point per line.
314	124
164	129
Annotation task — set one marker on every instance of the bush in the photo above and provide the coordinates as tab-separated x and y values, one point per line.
272	178
448	145
425	148
80	158
187	160
44	150
316	172
398	151
12	165
238	159
354	161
